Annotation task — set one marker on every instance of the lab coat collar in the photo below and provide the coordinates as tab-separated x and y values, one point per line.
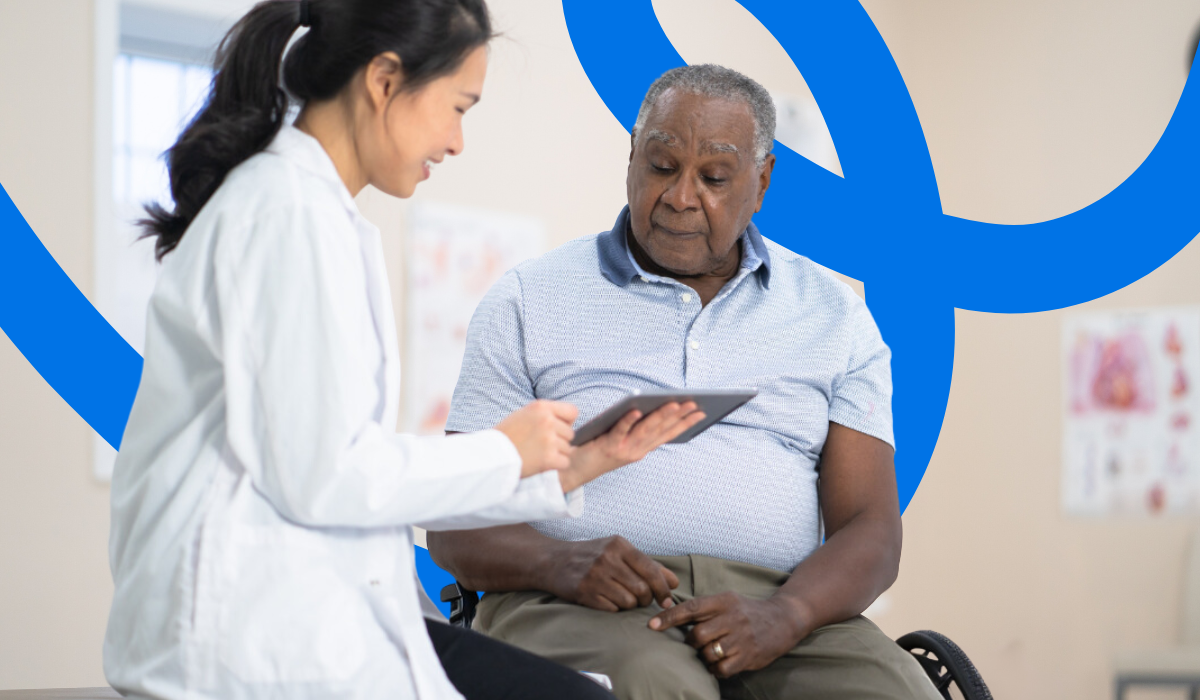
308	154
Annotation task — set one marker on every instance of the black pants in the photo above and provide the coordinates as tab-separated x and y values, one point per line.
484	669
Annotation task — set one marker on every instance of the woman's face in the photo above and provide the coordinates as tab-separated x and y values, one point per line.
417	130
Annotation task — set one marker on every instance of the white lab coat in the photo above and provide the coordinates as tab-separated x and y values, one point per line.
262	501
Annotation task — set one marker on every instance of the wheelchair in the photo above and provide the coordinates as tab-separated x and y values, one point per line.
943	661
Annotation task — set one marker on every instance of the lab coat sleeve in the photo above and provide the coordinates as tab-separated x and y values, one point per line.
539	497
303	396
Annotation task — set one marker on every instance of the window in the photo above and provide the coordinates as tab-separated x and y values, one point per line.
153	99
161	76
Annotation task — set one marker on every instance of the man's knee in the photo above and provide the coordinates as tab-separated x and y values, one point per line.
851	660
663	673
642	664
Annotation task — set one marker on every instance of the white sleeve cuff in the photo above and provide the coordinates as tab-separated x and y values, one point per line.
539	497
548	486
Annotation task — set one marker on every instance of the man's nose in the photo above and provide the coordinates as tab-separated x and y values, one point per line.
682	194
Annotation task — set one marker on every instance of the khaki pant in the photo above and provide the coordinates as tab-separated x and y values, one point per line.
851	660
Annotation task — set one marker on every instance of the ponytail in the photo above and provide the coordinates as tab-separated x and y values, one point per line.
246	106
245	110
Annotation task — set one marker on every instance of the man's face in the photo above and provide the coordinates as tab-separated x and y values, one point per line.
693	184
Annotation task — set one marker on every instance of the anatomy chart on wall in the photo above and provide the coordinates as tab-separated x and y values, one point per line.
454	255
1131	405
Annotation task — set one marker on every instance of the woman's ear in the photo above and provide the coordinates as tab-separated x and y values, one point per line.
384	77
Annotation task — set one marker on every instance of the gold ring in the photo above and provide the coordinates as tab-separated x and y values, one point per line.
718	651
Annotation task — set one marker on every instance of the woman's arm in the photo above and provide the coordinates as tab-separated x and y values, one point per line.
301	356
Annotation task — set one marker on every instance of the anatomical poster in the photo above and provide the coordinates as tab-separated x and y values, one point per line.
454	255
1131	405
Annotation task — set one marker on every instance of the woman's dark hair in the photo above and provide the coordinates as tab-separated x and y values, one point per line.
246	106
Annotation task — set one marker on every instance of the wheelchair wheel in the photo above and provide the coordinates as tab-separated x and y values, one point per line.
946	664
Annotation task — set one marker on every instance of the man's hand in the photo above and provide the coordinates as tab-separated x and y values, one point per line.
734	633
610	574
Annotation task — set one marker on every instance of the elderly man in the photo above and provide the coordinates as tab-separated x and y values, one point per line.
700	572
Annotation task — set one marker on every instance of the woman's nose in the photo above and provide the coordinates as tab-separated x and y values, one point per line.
456	144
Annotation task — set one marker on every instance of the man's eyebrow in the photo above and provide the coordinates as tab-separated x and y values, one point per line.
473	96
656	135
718	147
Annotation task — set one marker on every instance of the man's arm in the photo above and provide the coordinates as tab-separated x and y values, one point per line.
859	560
861	555
506	558
606	574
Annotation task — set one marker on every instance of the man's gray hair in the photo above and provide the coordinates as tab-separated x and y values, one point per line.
712	80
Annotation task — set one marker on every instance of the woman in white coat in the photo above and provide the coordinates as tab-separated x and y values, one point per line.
262	501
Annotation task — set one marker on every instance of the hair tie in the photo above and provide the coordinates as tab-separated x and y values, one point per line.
305	13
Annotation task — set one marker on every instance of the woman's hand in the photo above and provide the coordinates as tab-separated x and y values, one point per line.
632	438
542	434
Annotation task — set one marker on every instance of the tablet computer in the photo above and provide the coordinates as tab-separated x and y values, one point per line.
715	403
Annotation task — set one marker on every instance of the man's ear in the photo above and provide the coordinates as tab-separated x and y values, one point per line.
632	144
764	179
384	77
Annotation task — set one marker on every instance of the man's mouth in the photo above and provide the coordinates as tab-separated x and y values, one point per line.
680	233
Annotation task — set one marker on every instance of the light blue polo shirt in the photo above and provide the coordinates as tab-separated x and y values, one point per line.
585	324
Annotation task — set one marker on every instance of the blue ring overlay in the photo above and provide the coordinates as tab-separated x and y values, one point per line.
882	224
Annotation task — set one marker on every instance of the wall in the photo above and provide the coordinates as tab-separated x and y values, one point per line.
1031	110
54	582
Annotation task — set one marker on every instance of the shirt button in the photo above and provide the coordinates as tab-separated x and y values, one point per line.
645	278
695	345
686	297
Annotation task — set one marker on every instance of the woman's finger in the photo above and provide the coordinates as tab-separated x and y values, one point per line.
683	425
625	425
668	432
564	411
563	431
653	423
665	417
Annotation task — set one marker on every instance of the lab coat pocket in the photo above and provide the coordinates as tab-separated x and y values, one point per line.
286	615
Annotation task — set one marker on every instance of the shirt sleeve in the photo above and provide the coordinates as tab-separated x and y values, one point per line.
302	391
494	380
862	395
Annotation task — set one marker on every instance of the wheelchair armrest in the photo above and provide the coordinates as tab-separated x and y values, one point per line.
462	604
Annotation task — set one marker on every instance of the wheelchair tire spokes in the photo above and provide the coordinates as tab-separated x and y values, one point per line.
945	663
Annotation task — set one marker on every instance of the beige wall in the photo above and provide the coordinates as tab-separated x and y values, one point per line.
54	582
1031	109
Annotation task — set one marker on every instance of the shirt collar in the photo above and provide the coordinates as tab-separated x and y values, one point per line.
617	264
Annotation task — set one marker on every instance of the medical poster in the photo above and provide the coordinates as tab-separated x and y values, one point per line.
454	256
1131	403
